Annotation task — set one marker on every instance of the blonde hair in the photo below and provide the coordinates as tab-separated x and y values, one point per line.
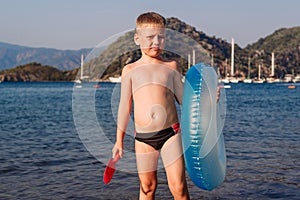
150	18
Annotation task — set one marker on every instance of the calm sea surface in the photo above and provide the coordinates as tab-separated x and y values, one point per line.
43	156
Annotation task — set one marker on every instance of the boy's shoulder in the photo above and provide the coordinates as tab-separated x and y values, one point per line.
171	63
129	67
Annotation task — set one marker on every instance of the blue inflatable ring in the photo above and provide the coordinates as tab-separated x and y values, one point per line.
202	121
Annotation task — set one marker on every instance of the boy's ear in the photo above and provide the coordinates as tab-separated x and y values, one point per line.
136	39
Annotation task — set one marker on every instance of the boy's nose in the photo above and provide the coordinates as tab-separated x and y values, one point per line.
156	40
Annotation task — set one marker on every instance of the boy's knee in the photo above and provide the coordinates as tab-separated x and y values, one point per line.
149	187
178	189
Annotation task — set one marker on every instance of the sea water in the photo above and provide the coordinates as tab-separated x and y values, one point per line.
44	157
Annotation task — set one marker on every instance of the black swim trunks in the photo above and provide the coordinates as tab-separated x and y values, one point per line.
157	139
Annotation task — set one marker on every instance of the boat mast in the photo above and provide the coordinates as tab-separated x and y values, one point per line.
232	57
272	65
259	66
194	59
249	67
189	61
81	67
225	68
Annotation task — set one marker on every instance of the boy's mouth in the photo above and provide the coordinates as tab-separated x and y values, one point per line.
155	48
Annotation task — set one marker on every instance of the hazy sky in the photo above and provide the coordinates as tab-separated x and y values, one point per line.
75	24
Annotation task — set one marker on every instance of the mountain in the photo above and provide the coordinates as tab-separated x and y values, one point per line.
36	72
284	39
285	44
181	40
13	55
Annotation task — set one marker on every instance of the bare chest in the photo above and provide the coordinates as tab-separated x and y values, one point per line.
162	76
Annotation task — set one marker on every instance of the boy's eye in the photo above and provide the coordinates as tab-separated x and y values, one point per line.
161	37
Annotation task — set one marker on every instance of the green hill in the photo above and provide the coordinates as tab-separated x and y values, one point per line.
282	40
35	72
285	43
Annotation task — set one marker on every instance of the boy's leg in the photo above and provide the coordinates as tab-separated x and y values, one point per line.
147	160
172	156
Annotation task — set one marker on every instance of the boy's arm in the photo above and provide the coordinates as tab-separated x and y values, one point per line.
178	85
123	112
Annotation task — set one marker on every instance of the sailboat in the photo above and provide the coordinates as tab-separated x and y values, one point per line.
82	78
248	79
232	79
189	63
258	80
272	78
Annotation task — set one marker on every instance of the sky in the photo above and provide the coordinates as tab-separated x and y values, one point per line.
76	24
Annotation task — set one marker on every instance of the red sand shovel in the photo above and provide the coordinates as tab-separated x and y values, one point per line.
110	169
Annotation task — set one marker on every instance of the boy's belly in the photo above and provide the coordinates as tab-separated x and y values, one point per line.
154	108
154	118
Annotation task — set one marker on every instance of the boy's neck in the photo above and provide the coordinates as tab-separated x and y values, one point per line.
148	59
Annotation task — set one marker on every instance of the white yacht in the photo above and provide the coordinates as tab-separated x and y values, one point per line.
296	79
115	79
247	80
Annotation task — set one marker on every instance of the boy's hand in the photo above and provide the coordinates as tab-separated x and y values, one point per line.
117	149
218	94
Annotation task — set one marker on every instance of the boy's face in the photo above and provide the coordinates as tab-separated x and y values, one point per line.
151	40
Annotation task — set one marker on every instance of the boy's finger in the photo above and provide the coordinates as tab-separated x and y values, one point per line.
121	153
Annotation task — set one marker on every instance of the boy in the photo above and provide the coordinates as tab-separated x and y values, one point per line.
152	83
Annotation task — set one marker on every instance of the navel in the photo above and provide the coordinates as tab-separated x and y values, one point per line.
153	115
158	112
